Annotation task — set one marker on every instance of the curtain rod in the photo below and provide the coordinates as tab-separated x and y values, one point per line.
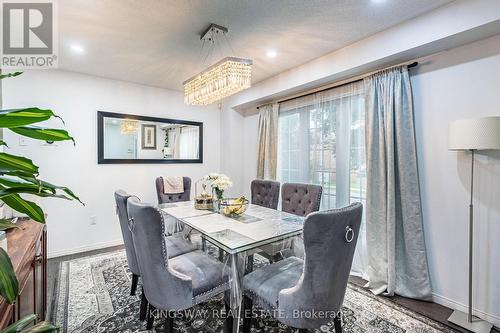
356	79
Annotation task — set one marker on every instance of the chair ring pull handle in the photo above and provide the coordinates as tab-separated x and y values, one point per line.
349	234
131	224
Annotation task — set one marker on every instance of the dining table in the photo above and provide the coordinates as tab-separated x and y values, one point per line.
239	236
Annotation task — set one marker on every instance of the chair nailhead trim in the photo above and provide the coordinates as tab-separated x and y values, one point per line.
163	247
216	290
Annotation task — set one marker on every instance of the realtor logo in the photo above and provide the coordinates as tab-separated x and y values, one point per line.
28	38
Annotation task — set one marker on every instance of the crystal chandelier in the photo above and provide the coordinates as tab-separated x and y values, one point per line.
224	78
220	80
129	126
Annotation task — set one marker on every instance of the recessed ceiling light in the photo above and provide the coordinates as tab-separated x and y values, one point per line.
378	2
271	53
77	48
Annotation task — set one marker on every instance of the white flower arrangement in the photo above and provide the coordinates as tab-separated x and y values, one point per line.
212	176
220	182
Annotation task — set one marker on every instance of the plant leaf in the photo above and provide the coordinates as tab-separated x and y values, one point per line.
28	189
48	185
3	143
17	173
6	224
10	162
22	117
32	190
9	287
45	134
37	187
3	76
20	324
21	205
66	191
13	182
42	327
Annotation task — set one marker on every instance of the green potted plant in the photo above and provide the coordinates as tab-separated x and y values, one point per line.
19	175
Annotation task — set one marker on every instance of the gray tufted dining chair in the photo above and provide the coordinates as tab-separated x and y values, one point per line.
176	243
121	198
265	193
170	284
316	283
171	197
300	199
172	224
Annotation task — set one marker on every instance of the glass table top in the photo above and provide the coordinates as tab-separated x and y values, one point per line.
256	227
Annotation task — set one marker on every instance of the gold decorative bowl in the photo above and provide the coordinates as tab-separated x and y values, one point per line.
233	206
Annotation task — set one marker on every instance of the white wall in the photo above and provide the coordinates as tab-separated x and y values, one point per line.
460	83
77	98
239	150
233	149
250	128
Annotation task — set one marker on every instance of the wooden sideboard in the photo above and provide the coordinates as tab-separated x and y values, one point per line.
27	248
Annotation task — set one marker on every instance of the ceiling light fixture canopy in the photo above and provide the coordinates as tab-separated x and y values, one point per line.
224	78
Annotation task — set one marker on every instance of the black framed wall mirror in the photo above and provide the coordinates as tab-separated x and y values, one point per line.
126	138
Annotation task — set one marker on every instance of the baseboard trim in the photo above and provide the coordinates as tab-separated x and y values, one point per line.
449	303
96	246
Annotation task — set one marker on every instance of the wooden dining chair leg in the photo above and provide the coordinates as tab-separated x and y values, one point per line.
151	318
228	323
246	313
135	279
337	322
144	307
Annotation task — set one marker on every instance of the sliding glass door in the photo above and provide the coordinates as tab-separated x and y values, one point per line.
321	141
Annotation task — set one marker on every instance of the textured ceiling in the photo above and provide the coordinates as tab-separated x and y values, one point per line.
156	42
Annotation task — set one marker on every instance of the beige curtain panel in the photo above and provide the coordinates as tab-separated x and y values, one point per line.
268	141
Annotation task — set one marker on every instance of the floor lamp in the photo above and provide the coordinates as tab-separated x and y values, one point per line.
472	135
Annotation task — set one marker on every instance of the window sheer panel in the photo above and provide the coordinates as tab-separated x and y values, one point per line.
188	142
321	140
357	181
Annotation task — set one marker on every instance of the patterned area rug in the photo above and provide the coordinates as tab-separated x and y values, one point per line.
92	294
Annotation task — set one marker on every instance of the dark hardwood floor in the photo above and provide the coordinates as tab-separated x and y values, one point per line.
431	310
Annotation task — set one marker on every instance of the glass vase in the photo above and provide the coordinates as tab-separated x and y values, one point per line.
218	195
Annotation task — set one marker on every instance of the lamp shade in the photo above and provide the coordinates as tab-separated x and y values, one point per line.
476	133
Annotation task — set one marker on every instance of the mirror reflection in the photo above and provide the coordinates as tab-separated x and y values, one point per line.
138	139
